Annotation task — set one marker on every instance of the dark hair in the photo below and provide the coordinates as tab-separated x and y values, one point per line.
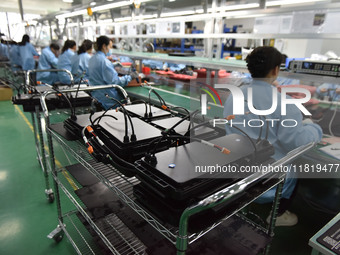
25	39
54	46
68	45
102	40
262	60
85	46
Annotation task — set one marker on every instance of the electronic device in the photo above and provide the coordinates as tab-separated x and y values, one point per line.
329	68
174	174
180	177
139	111
202	132
111	130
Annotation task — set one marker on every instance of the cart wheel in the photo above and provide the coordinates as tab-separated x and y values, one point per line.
50	198
58	238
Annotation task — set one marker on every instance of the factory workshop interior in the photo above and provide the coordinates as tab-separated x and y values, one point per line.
163	127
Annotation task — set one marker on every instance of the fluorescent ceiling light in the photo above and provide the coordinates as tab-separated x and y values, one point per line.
287	2
150	16
71	14
123	19
68	1
111	6
93	3
180	13
236	7
172	0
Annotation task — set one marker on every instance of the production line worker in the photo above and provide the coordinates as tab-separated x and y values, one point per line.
263	64
27	53
80	61
102	72
64	61
48	60
14	56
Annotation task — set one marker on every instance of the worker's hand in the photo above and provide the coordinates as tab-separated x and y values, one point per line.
337	91
134	75
323	90
307	121
117	64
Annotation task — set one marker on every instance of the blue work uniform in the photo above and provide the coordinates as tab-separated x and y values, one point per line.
284	139
14	57
47	60
27	52
80	64
331	91
153	64
101	72
4	52
174	67
125	59
64	62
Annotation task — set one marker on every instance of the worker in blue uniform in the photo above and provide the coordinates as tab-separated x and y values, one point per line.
4	50
263	64
27	53
330	90
64	61
102	72
48	60
80	61
14	56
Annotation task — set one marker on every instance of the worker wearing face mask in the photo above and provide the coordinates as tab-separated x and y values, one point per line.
48	60
102	72
64	61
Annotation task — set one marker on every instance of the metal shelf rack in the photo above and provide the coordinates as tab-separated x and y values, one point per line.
122	186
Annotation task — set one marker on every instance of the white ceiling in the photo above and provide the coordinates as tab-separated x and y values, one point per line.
33	6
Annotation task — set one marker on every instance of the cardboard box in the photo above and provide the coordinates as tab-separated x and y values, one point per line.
6	93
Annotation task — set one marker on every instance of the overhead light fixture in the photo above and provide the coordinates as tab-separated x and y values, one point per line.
179	13
123	19
68	1
93	3
237	7
71	14
172	1
287	2
98	8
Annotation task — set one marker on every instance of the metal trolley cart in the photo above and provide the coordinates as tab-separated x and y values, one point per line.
31	103
114	229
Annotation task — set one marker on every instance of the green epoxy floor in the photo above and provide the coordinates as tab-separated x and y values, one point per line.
26	218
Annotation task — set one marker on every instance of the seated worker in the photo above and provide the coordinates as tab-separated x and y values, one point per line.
48	60
14	56
64	61
80	61
27	51
332	91
102	72
263	64
4	50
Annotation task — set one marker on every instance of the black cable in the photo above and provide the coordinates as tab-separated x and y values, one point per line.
133	135
167	131
81	78
73	113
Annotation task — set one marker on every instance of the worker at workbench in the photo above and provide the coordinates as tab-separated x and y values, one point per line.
64	61
102	72
48	60
27	53
80	61
329	90
263	64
